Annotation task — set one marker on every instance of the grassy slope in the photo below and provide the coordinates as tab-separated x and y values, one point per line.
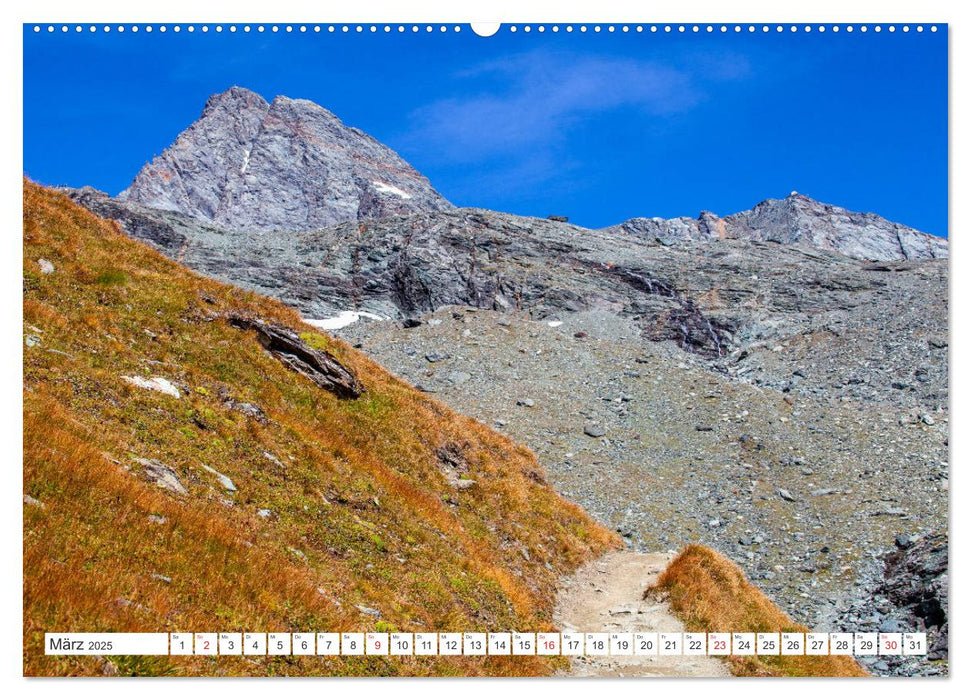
354	486
711	594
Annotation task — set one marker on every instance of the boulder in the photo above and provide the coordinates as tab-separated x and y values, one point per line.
162	475
319	366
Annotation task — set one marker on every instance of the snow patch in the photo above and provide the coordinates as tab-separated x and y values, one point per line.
554	324
242	171
385	188
341	320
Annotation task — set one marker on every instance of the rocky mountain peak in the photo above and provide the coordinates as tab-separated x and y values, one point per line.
235	98
283	165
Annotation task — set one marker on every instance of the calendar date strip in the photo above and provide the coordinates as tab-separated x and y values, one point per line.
486	643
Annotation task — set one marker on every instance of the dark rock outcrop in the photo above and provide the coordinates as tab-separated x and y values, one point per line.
319	366
147	225
916	582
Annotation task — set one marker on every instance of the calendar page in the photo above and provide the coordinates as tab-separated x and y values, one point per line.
516	349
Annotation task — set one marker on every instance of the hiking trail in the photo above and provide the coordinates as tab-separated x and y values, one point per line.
605	595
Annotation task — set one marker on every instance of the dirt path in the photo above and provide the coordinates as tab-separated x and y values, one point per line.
605	596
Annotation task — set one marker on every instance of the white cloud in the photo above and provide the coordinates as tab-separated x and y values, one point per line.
532	101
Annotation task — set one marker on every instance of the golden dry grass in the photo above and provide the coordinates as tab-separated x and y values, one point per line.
355	486
711	594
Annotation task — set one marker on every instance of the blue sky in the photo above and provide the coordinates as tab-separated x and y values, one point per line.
599	127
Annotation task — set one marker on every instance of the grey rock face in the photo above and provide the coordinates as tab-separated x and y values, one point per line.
800	220
786	316
287	165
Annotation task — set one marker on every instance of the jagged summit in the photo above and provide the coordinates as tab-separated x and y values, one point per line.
235	97
799	220
284	165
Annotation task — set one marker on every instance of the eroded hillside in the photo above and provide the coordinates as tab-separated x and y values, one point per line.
178	475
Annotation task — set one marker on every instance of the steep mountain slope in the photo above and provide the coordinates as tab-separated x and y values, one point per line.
186	468
730	302
286	165
799	220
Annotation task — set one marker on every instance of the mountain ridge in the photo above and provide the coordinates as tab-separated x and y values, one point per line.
292	165
798	220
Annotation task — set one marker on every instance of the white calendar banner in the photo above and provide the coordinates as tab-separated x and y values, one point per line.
841	644
206	643
106	643
523	643
180	644
597	643
793	643
450	644
376	643
500	644
695	644
865	644
474	643
915	643
743	644
278	644
669	643
621	644
889	644
512	644
352	644
254	643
